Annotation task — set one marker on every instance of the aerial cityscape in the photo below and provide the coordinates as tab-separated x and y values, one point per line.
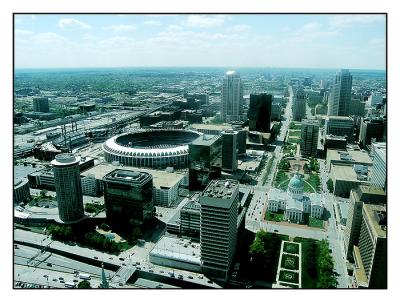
199	151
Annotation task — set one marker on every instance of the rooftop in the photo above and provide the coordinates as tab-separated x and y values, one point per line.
161	178
220	127
221	189
350	155
205	140
346	173
373	212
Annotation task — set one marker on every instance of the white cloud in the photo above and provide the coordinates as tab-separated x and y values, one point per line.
203	21
64	23
377	42
310	26
240	28
174	28
152	22
22	32
121	27
343	21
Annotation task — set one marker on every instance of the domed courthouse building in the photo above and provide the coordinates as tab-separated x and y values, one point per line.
294	202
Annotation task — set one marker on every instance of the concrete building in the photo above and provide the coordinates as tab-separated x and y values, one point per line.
371	128
41	105
340	94
359	196
229	150
211	129
346	178
190	217
294	202
371	253
68	187
348	157
128	197
309	137
335	142
241	140
232	97
218	227
205	155
340	125
378	175
21	191
375	99
299	105
259	113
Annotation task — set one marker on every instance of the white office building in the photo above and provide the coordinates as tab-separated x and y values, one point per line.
378	177
232	95
340	95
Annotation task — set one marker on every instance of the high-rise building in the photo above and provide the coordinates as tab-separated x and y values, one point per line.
371	253
67	182
341	126
218	227
375	99
309	137
359	196
41	104
371	128
259	113
229	150
276	110
357	107
232	95
378	175
340	95
241	140
205	155
299	105
190	217
128	197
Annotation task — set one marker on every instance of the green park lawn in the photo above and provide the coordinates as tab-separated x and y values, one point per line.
315	222
270	216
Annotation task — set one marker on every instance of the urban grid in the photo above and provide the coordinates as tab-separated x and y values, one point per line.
199	177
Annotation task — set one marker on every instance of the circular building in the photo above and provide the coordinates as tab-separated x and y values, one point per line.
153	148
296	186
68	187
21	190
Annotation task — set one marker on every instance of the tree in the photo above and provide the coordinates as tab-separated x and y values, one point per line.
329	184
104	226
43	193
84	284
90	208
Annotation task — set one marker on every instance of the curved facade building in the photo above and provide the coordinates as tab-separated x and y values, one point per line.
68	187
21	190
153	148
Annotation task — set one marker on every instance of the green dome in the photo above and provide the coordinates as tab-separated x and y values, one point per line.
296	181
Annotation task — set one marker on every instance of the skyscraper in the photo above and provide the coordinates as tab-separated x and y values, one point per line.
299	105
378	175
309	137
41	104
340	95
128	196
218	227
229	151
371	128
371	254
259	113
341	126
67	181
232	95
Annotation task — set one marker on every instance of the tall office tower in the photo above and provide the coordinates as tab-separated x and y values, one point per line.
259	113
240	140
340	126
309	137
218	227
378	175
359	196
371	254
276	110
340	95
128	197
232	95
205	155
299	105
357	107
371	128
41	104
229	151
67	181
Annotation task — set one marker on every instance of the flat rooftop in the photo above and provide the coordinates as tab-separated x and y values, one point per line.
221	188
178	249
371	212
212	127
346	173
160	178
206	140
349	156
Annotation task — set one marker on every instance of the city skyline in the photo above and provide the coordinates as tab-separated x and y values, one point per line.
356	41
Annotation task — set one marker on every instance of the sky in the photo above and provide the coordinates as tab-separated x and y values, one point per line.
294	41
